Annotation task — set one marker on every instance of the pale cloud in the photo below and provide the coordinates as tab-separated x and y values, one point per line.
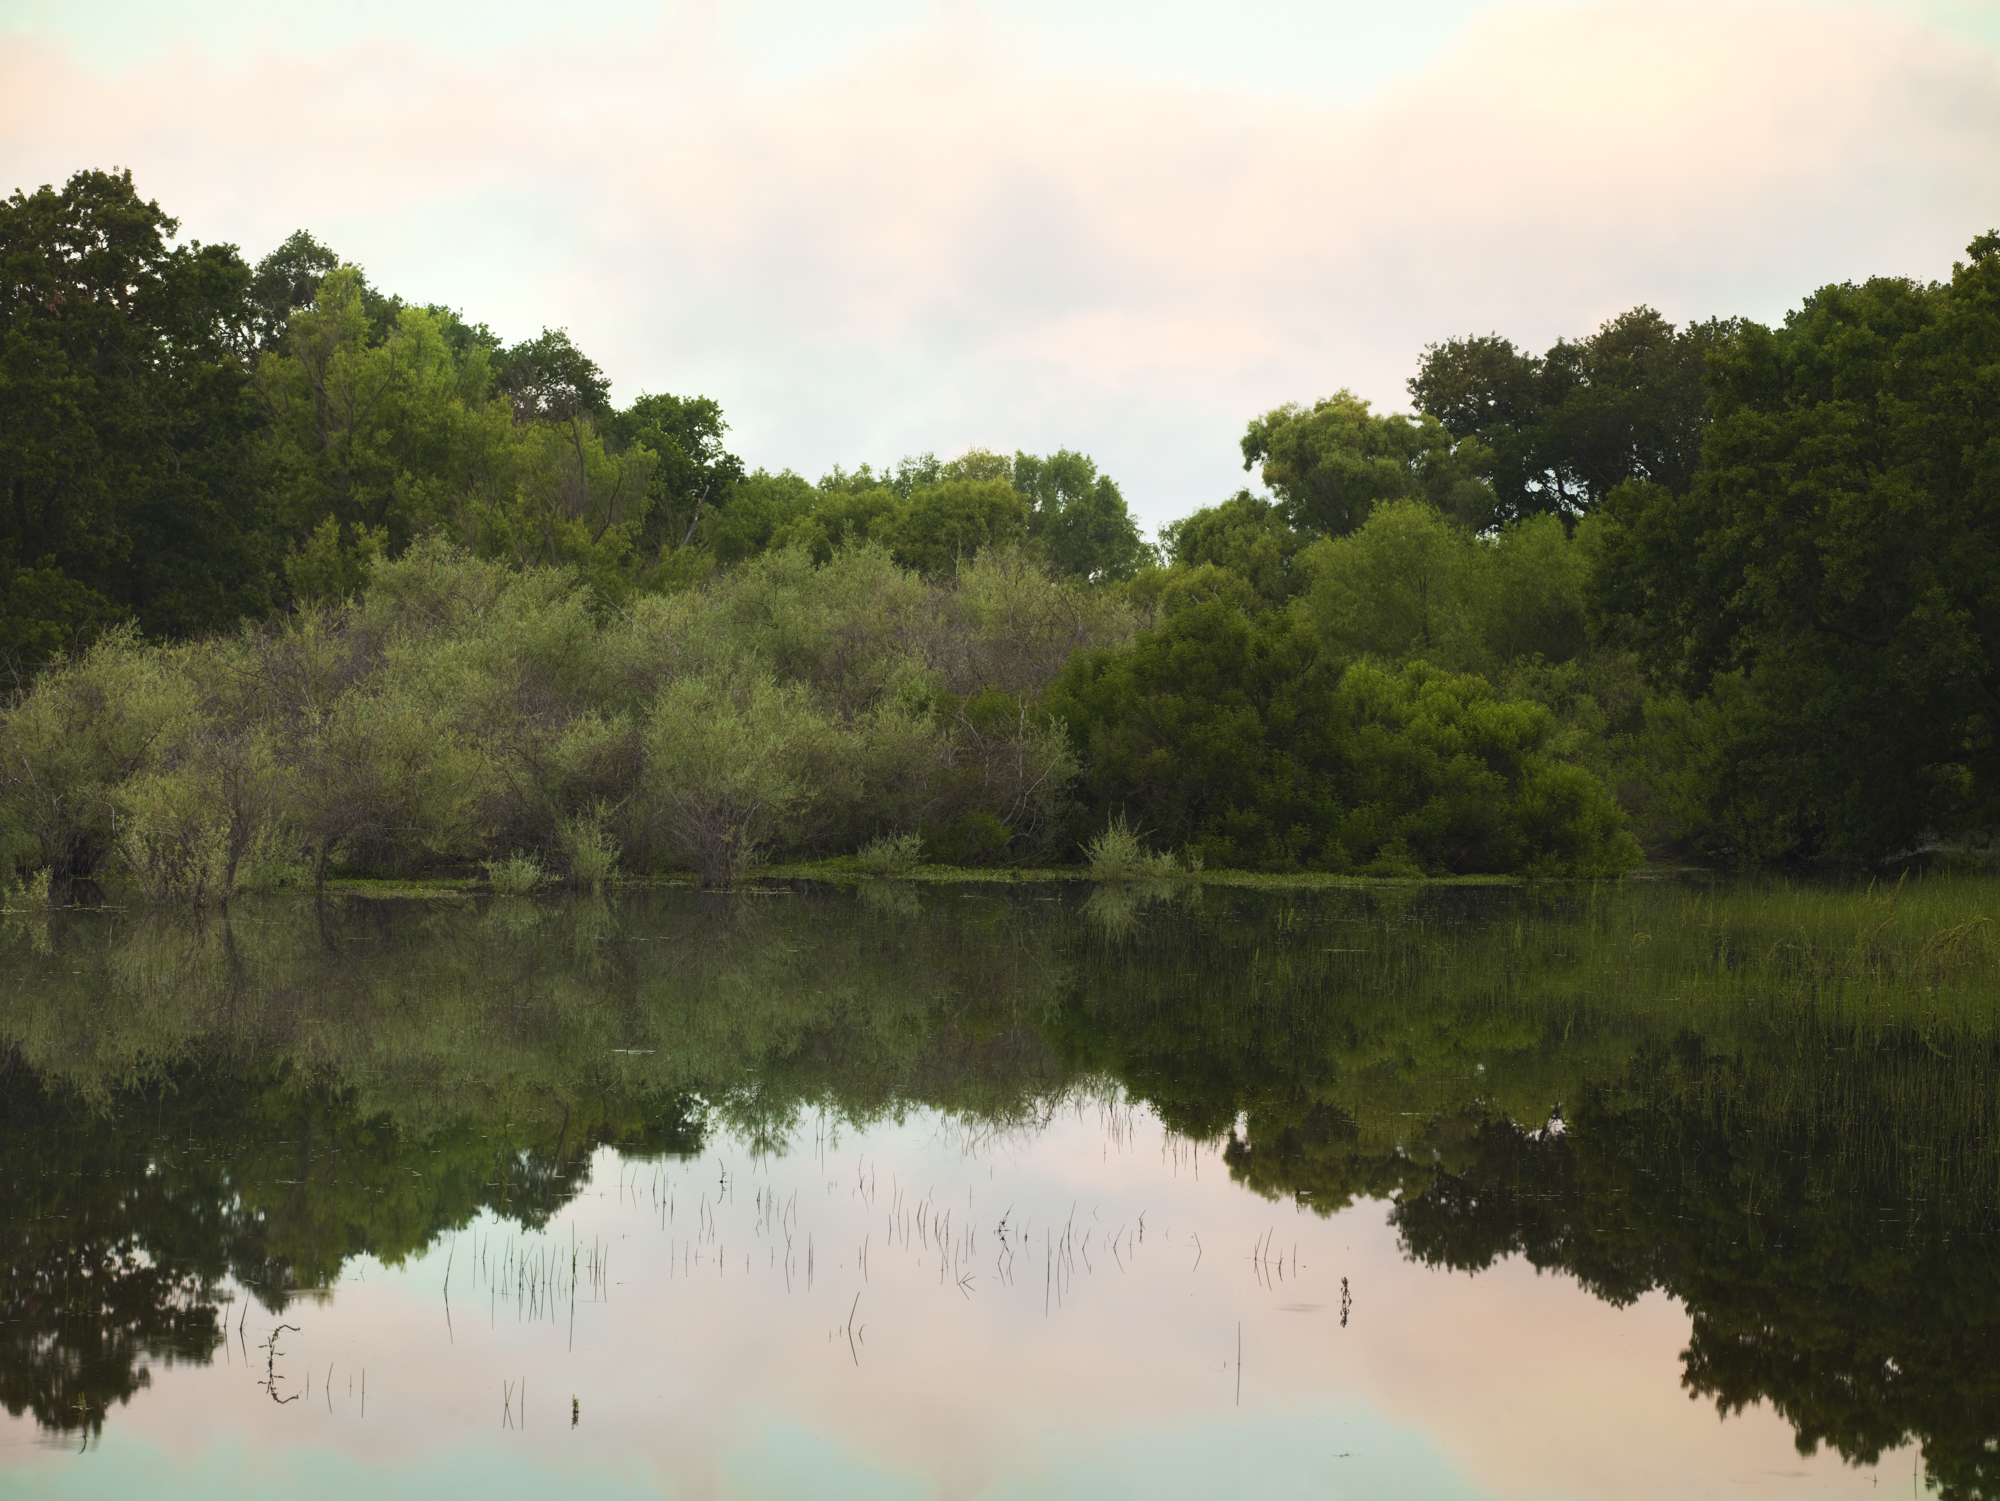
953	231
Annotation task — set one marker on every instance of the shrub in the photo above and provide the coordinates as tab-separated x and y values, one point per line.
516	875
1118	854
1243	743
735	767
890	854
31	895
68	744
591	852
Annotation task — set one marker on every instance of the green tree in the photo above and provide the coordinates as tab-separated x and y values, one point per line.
1245	535
287	280
127	481
1078	516
1839	552
693	474
1563	429
944	525
1332	463
1407	584
422	426
1245	741
1412	584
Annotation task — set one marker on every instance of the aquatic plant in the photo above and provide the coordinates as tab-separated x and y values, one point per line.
890	854
515	875
1120	854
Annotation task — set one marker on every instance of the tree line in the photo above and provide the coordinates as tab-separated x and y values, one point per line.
297	576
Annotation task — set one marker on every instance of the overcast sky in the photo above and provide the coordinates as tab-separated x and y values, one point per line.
878	227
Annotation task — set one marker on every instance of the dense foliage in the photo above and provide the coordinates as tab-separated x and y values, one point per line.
1243	741
187	440
1727	582
467	710
1827	588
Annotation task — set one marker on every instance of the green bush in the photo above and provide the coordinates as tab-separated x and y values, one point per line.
515	875
589	849
736	767
1243	742
890	854
1119	854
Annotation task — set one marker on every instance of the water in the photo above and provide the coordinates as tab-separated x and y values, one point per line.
1006	1191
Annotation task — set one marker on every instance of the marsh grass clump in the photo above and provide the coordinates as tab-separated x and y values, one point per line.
590	850
30	895
890	854
516	875
1119	854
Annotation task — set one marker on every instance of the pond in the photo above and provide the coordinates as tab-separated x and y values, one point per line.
1648	1189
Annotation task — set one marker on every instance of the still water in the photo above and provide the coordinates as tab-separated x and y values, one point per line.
1645	1190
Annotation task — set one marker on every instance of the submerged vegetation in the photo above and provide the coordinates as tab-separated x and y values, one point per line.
298	577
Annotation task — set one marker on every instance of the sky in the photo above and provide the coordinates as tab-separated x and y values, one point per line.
882	227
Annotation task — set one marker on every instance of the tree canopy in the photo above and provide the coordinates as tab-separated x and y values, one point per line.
1332	463
1560	430
1837	559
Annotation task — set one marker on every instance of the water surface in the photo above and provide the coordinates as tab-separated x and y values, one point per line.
1640	1190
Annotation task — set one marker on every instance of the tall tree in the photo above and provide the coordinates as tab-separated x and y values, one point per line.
1244	535
693	474
1078	516
1332	463
127	475
1564	428
1839	554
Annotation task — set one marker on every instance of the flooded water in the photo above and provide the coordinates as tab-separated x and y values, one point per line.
1637	1191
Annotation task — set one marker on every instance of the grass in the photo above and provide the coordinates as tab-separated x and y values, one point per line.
849	870
845	869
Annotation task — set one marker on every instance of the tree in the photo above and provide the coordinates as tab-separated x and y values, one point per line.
127	481
1078	516
1563	429
1332	463
1406	585
692	472
944	525
1411	584
549	379
1838	555
1243	740
287	280
1245	535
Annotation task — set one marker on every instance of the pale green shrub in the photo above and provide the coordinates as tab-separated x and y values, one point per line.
735	767
890	854
31	895
172	838
1118	854
84	727
591	852
515	875
272	862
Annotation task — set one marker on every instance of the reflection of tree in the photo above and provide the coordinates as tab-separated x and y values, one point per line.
109	1260
1822	1201
1814	1282
1313	1153
125	1220
416	1063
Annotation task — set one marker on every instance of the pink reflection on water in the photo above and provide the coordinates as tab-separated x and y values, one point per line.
859	1290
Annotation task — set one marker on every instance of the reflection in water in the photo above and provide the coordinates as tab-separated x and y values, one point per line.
1641	1088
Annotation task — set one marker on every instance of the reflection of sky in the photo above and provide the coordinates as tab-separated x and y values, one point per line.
699	1379
875	228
